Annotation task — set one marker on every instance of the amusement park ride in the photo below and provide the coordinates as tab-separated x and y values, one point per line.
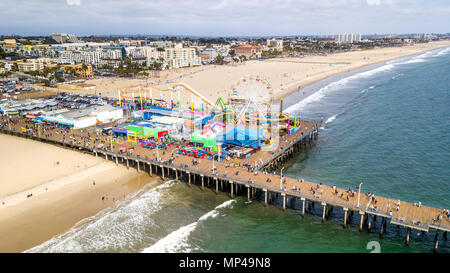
247	114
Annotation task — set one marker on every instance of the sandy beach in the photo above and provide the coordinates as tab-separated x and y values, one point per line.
286	75
61	182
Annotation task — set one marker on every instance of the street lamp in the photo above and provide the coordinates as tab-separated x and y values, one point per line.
359	192
281	178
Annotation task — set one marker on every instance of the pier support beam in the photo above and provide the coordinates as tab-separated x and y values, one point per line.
284	201
117	161
189	177
96	155
231	187
248	192
176	174
362	221
408	231
345	217
137	162
369	223
162	171
265	197
203	183
303	206
106	157
150	167
128	164
324	211
382	227
217	186
436	241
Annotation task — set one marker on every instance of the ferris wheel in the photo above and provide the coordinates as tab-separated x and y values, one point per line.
252	88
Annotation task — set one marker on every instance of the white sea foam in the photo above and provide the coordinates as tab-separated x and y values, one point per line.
176	241
114	227
396	76
331	119
367	89
337	85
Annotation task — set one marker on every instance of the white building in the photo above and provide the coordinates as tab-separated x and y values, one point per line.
348	38
64	38
82	118
275	44
180	56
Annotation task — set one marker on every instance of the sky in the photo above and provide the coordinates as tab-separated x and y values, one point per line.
223	17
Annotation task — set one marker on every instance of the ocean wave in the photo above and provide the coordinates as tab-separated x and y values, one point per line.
176	241
112	228
442	52
367	89
331	119
337	85
396	76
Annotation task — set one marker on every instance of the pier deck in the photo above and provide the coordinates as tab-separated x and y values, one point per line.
239	180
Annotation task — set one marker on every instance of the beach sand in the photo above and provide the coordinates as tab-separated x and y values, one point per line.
63	194
286	75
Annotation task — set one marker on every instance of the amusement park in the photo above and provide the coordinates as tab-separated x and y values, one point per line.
235	127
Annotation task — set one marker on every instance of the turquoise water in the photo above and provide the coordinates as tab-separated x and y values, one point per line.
385	125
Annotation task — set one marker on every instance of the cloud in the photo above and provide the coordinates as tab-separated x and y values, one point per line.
373	2
222	17
73	2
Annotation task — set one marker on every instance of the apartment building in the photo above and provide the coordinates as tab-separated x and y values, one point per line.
180	56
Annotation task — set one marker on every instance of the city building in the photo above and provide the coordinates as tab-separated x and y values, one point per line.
62	38
347	38
31	65
180	56
249	51
275	44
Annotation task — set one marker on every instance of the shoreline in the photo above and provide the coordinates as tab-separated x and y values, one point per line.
292	90
285	75
71	196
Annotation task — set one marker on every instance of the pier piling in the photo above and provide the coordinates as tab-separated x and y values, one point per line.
303	206
248	192
217	186
362	221
324	211
408	231
203	183
382	227
284	201
265	197
231	186
345	217
436	241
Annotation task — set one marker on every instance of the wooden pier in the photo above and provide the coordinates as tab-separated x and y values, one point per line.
263	183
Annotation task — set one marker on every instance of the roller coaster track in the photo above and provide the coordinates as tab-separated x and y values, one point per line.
123	91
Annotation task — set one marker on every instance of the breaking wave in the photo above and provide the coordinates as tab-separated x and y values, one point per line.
339	84
113	229
176	241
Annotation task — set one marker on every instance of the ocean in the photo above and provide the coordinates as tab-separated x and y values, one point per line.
386	125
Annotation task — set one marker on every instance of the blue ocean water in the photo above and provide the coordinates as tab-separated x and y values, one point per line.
386	125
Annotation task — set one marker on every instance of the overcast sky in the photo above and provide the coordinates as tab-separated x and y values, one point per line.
223	17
